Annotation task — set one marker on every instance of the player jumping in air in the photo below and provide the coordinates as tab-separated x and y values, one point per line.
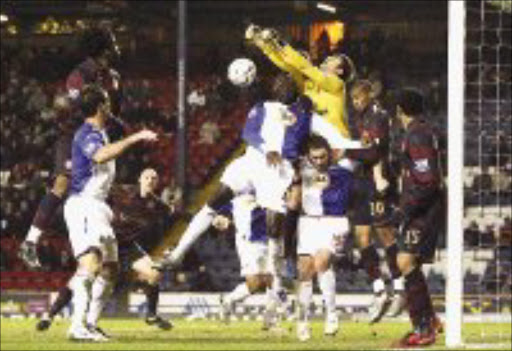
250	225
324	85
102	52
374	195
274	133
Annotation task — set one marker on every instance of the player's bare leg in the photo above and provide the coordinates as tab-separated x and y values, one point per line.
370	262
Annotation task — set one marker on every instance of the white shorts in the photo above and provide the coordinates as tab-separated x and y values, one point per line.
322	232
250	172
89	225
253	257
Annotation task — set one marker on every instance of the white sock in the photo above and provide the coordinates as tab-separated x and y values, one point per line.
398	284
304	296
81	286
240	293
273	262
199	224
378	286
271	300
34	233
100	292
327	284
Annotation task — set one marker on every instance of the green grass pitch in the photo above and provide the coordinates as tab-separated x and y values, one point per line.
133	334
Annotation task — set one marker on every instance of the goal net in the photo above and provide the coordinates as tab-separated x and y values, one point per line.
484	239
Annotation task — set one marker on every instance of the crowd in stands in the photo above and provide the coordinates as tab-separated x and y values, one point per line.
29	128
215	114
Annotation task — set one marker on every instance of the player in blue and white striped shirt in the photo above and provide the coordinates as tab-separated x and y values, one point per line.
87	215
323	226
274	133
249	222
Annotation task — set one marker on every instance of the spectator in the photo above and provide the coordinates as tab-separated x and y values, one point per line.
4	264
487	236
172	195
471	235
66	262
196	99
483	181
504	233
196	273
209	133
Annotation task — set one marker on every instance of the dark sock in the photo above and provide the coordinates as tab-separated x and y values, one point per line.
419	302
370	262
64	297
46	211
391	253
152	294
290	234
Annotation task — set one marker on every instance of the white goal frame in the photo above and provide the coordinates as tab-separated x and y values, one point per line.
454	276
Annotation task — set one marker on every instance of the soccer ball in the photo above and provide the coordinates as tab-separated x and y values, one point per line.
242	72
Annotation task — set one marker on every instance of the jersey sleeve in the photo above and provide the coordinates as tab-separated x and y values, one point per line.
251	133
421	152
274	53
91	143
338	192
377	130
328	82
337	141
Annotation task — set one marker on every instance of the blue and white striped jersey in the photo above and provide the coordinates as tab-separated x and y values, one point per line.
249	219
273	126
325	193
87	177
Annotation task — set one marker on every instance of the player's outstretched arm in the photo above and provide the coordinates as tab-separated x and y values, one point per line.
272	49
328	82
288	59
111	151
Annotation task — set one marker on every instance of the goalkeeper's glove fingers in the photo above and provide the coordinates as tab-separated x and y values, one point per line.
252	31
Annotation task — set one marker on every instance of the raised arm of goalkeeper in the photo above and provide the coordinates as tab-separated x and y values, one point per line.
290	60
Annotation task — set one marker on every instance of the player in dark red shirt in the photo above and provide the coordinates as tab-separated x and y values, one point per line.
374	192
140	220
421	214
101	51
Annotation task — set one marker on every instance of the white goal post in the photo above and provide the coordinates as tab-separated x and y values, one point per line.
454	276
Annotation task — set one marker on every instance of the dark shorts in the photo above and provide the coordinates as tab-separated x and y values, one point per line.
419	236
132	251
62	158
367	205
129	253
